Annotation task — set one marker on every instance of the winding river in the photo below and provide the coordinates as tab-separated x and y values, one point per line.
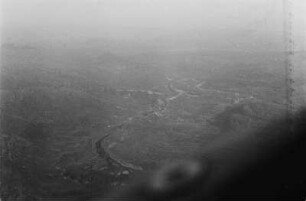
104	151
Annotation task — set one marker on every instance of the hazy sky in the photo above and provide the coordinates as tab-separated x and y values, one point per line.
150	18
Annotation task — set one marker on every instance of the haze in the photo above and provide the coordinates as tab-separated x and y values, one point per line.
197	20
95	92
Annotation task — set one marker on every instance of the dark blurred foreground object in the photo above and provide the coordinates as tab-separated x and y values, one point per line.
269	164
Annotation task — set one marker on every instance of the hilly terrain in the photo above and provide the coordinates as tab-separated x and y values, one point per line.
81	120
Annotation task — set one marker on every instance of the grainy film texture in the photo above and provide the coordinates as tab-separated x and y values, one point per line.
94	92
